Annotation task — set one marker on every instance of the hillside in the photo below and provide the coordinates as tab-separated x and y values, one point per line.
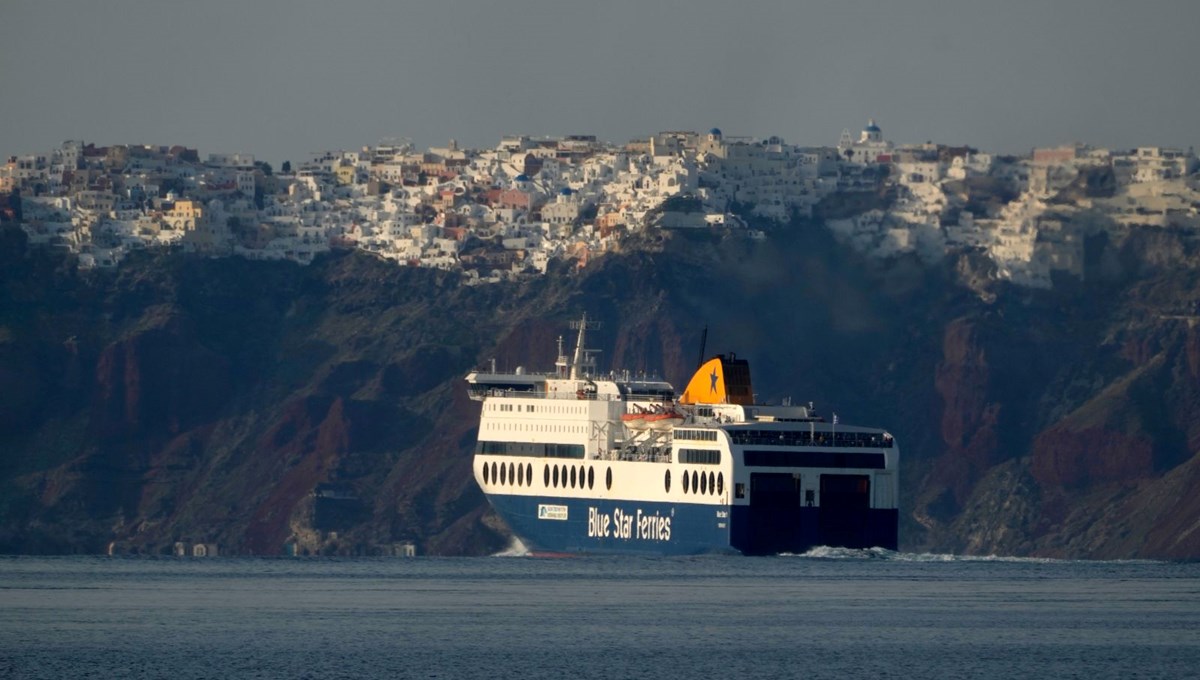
255	405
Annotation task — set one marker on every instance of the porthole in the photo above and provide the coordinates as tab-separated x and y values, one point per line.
486	473
563	470
687	482
546	476
556	476
703	484
591	477
520	475
667	481
608	479
720	483
503	475
695	482
712	482
572	477
582	476
512	473
495	475
529	473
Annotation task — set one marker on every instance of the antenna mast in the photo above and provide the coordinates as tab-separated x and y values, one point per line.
583	357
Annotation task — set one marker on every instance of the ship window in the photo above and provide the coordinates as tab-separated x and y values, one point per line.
530	449
495	476
486	473
815	459
811	438
556	476
712	482
699	456
720	483
529	474
512	473
703	484
503	475
608	479
667	482
591	477
564	474
546	476
687	482
572	478
739	490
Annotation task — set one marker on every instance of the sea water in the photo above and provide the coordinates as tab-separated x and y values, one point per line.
830	613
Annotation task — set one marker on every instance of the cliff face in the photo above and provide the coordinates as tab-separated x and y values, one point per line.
261	405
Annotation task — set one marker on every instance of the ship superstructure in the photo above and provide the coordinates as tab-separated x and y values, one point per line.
579	462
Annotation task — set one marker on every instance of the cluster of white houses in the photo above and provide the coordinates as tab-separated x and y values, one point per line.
510	210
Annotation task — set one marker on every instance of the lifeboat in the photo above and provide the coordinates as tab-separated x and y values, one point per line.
664	421
655	418
636	419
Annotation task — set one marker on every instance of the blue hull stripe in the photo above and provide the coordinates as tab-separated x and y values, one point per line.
548	524
614	526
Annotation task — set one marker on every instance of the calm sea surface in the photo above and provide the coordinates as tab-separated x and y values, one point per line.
829	614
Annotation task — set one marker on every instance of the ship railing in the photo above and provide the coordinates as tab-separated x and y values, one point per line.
541	394
638	454
821	439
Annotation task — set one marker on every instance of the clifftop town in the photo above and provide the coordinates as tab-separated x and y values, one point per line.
497	214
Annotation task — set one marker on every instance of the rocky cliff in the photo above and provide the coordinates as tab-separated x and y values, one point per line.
266	407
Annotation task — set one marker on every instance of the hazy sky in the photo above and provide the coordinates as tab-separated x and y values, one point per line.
282	78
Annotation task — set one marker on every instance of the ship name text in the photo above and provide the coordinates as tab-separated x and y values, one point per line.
620	524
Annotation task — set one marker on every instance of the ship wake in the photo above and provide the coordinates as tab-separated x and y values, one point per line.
832	553
515	549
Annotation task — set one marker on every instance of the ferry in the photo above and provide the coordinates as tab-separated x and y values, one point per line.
578	462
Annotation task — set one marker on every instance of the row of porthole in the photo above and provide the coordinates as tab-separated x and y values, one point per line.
698	482
506	474
551	474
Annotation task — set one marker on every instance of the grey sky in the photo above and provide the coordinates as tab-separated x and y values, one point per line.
281	78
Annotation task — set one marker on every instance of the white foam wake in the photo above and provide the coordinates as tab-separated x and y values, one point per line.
830	553
515	549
